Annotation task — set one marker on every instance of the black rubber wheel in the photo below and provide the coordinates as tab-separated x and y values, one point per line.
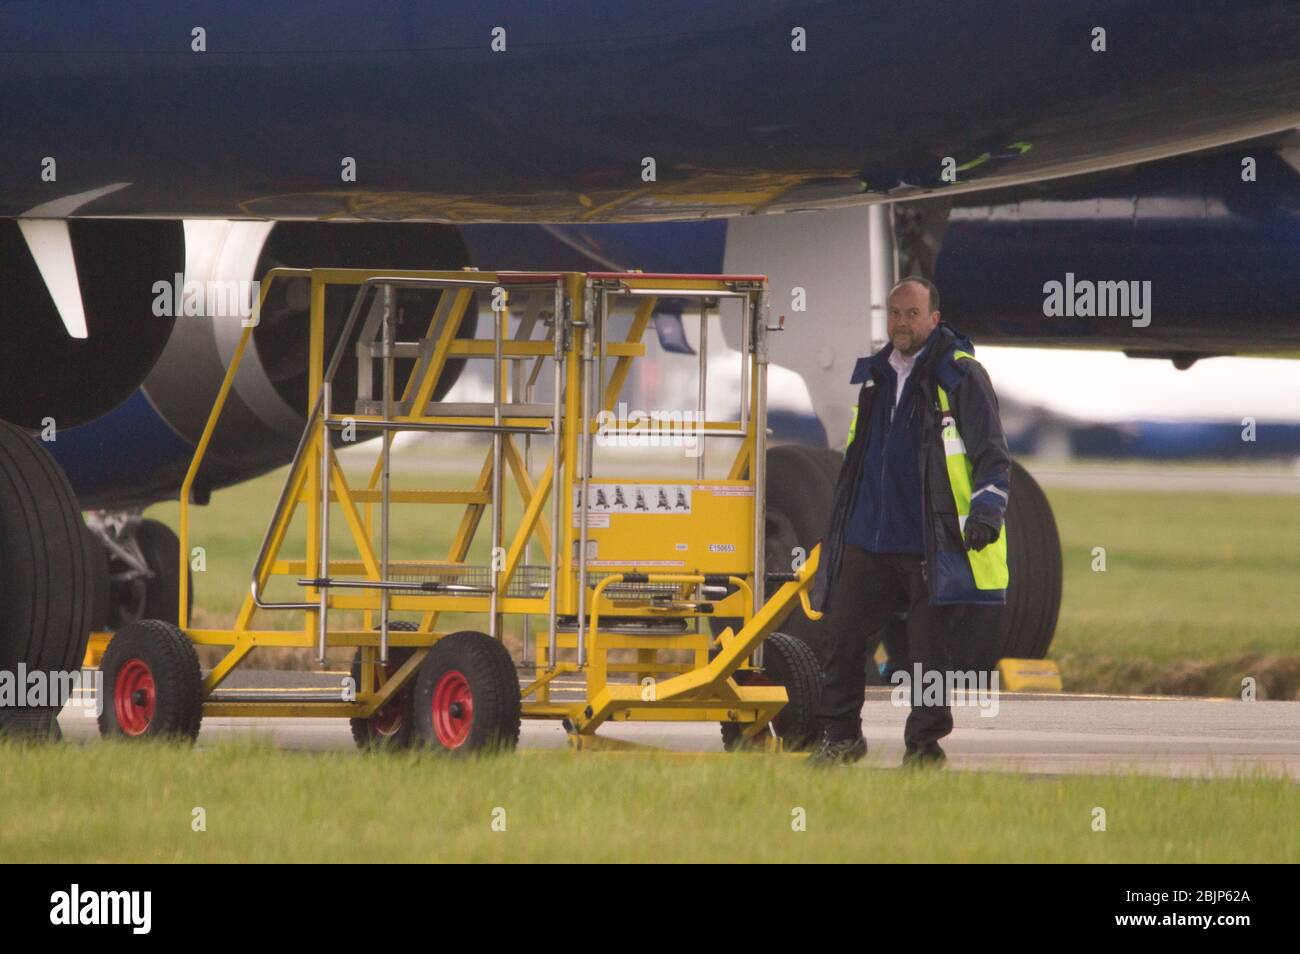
101	586
45	579
799	496
1034	558
467	696
31	725
157	597
391	726
791	663
798	505
1024	627
830	461
894	635
152	684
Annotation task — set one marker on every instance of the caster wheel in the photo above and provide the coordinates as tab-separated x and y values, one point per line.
391	726
152	684
467	696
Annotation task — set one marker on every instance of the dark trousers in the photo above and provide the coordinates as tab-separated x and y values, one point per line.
869	590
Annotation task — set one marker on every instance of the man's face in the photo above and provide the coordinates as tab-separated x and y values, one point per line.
910	318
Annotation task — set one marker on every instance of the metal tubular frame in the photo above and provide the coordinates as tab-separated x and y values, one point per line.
632	595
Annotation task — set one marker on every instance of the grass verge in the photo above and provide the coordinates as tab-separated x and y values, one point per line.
137	803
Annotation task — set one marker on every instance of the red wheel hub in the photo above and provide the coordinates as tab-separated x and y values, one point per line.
134	697
387	719
453	709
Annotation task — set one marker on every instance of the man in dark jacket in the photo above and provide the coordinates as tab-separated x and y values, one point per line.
916	521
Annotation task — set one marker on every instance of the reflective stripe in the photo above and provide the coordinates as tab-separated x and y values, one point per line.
853	421
991	489
989	565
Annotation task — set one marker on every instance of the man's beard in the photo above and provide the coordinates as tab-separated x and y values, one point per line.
908	346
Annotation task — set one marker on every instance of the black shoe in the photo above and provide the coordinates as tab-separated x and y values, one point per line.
929	755
837	752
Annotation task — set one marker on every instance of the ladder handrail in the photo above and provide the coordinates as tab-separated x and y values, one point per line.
363	289
201	450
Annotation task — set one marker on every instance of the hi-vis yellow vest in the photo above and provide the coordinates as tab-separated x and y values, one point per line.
988	566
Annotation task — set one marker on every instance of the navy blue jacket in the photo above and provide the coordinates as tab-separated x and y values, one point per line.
975	408
886	517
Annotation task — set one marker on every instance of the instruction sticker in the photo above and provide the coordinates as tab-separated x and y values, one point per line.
634	498
728	490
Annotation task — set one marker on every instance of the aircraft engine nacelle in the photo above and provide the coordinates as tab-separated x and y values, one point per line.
140	452
49	379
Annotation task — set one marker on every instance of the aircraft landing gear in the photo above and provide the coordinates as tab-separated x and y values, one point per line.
144	579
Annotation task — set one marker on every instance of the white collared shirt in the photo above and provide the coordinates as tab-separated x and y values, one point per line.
902	369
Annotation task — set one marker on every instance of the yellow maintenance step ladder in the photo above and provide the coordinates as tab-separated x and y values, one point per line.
617	580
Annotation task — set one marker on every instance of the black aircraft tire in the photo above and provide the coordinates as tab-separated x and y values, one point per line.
30	725
45	579
791	663
101	586
830	460
798	511
1023	629
160	547
1034	559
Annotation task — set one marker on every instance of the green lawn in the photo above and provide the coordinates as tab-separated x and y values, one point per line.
1198	591
121	803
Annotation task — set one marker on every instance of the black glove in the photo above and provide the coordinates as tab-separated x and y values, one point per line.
979	535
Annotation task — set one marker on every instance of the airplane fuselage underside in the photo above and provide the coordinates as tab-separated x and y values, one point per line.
449	112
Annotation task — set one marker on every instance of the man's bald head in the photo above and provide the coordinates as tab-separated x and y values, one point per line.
925	283
913	314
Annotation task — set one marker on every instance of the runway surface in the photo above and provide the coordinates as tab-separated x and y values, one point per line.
1165	480
1011	732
